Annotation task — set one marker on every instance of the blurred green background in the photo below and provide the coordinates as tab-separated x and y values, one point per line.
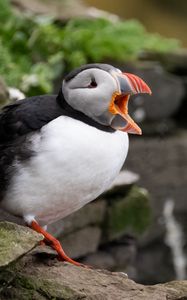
42	40
168	17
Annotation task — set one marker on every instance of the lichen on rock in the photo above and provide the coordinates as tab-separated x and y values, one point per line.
15	241
131	212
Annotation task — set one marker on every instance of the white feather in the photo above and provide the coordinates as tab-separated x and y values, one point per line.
74	164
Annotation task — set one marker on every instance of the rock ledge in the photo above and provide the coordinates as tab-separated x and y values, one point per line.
37	274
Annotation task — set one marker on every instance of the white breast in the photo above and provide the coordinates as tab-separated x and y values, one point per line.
74	163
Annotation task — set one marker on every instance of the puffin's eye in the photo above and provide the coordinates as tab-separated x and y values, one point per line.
92	84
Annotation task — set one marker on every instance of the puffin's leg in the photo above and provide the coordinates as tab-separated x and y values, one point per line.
42	243
54	243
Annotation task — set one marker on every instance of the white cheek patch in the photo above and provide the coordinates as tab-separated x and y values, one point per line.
92	101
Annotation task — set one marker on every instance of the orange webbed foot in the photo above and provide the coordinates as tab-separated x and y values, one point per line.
55	244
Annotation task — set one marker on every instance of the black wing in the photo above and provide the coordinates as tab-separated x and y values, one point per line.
27	115
16	121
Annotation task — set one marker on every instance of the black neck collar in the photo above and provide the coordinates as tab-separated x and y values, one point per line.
71	112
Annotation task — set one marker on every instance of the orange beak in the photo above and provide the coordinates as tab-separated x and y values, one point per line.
129	84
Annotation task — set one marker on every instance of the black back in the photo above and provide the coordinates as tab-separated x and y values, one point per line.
27	115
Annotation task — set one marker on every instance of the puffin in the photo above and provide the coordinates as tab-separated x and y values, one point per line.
59	152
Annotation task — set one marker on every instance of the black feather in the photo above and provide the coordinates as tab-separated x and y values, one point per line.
27	115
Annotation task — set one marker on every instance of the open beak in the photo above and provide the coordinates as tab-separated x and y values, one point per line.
129	84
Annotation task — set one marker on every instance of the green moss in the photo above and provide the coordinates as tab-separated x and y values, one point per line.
96	40
132	213
15	241
14	284
48	288
26	282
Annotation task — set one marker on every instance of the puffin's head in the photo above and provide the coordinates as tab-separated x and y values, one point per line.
102	92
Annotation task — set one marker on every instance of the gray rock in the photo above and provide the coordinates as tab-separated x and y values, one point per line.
114	258
167	93
100	259
121	184
162	128
154	264
81	242
124	255
161	163
5	216
62	10
15	241
125	177
36	278
174	61
91	214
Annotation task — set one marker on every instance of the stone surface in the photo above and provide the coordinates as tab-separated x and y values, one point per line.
121	184
36	277
124	255
91	214
154	263
167	93
119	255
175	62
16	240
161	163
61	10
100	259
164	127
124	178
4	216
81	242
